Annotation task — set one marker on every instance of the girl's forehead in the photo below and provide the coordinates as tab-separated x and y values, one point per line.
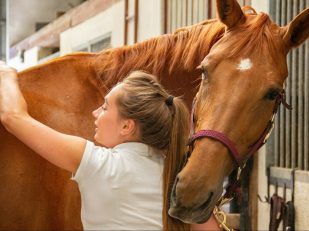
115	91
118	87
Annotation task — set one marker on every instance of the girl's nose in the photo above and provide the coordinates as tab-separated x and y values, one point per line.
96	112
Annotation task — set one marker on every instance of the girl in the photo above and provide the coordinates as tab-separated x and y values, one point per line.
125	183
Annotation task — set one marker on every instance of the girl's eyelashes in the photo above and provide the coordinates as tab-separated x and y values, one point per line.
103	107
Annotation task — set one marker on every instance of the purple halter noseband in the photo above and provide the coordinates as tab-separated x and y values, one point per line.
219	136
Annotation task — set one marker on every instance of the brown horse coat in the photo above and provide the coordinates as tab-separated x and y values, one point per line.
62	94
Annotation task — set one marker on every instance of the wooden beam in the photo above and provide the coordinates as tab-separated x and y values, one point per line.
165	17
49	36
126	15
253	192
233	221
136	18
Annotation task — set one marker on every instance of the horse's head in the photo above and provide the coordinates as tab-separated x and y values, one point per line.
244	75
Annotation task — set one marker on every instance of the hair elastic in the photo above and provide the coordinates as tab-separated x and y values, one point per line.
169	100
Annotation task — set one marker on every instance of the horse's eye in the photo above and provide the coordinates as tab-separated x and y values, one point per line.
272	94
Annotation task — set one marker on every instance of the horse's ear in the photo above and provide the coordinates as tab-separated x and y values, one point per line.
297	31
230	13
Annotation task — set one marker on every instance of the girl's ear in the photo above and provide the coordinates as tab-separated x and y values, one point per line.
129	127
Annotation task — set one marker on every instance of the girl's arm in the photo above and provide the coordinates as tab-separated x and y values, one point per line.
64	151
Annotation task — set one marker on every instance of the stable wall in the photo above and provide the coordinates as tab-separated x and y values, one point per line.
301	190
108	23
111	22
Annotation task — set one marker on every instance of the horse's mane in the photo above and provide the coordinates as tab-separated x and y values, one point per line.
186	48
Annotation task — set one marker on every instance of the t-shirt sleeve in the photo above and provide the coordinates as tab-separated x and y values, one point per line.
94	157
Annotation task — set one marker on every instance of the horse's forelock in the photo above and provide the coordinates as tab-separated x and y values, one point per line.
254	36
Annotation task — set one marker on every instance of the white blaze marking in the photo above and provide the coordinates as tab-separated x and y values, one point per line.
245	64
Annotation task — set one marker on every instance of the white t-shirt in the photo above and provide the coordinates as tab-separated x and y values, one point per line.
121	188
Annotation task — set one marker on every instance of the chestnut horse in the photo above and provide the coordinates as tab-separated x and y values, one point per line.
243	83
62	93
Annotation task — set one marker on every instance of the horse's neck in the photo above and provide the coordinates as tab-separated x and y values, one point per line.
172	55
74	69
63	93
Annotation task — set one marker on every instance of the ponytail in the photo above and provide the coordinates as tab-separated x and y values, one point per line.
174	157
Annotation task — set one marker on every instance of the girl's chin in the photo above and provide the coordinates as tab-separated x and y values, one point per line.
95	137
100	143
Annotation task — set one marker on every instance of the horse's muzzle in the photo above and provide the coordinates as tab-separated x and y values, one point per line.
188	216
198	213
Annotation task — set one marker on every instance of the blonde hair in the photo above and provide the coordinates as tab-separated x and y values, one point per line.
163	125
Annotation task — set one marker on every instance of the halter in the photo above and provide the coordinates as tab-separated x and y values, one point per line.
219	136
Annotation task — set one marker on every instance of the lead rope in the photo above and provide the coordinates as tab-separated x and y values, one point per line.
231	192
220	216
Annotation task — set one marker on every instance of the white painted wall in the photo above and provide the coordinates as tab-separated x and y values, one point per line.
112	21
301	200
16	63
30	59
150	19
109	21
301	192
23	14
260	5
263	208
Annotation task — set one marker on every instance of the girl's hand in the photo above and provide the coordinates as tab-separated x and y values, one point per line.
12	102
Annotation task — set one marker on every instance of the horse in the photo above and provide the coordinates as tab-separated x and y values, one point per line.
62	93
243	83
